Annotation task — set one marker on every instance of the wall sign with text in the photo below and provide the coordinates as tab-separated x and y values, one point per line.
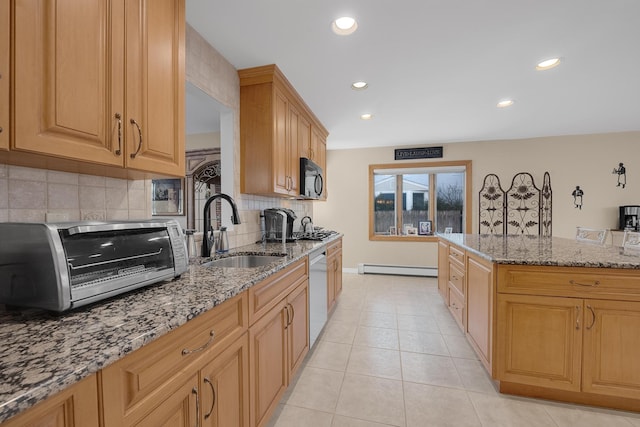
418	153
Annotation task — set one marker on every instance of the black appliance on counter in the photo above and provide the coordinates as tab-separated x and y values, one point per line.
311	179
278	225
629	216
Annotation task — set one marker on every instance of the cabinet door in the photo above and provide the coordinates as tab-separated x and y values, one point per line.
540	341
479	306
443	270
304	138
69	76
338	273
293	160
4	74
331	282
280	141
298	328
611	363
268	358
224	385
179	409
155	47
75	406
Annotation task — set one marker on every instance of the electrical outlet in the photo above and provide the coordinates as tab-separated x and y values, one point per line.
56	217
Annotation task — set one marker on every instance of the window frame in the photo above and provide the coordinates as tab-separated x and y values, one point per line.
468	198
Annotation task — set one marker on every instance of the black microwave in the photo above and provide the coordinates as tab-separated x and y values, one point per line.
311	179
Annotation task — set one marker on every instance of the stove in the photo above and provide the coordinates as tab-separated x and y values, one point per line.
316	235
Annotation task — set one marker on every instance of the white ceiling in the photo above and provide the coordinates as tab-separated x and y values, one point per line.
437	68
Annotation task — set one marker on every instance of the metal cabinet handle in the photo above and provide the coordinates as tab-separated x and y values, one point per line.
186	351
577	317
133	122
119	118
593	313
213	402
293	313
286	309
595	283
194	390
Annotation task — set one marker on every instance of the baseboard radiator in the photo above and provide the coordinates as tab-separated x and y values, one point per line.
397	270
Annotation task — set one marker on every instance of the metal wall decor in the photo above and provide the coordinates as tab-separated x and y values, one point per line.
577	197
492	205
524	209
546	200
621	171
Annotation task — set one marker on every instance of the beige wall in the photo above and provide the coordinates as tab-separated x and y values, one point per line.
197	141
586	160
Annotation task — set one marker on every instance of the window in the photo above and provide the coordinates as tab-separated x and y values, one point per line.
409	199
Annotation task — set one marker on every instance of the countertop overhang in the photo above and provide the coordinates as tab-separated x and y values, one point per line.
43	353
541	250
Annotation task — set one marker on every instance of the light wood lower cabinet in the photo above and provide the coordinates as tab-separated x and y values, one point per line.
480	306
171	370
585	342
334	272
73	407
224	387
540	341
278	336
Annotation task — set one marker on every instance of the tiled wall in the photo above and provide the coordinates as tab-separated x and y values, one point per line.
28	195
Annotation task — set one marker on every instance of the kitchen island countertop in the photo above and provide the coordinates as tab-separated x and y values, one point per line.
540	250
43	353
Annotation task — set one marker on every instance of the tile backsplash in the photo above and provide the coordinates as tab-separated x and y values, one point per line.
35	195
39	195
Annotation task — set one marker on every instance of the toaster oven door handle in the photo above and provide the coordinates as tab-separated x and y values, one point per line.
92	228
111	261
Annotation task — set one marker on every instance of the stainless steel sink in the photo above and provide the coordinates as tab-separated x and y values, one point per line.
243	261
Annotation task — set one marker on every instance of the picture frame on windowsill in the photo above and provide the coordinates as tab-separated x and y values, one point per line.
424	228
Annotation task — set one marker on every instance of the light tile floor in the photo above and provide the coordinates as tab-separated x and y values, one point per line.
392	355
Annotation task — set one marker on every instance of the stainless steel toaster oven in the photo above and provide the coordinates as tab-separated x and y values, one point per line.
66	265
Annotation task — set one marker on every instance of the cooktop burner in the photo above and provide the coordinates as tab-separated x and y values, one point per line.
316	235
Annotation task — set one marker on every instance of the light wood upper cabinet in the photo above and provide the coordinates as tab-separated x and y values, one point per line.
276	129
5	29
72	407
155	76
99	81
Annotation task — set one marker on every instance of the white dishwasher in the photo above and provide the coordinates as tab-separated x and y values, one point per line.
317	293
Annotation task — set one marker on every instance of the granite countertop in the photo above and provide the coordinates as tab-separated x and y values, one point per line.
539	250
42	353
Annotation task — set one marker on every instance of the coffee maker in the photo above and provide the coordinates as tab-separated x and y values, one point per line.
629	217
278	224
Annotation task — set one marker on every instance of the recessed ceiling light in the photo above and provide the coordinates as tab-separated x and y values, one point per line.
548	64
505	103
344	26
359	85
366	116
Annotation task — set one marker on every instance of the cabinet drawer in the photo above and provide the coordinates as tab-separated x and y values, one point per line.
456	306
456	255
266	294
456	277
570	281
139	378
334	247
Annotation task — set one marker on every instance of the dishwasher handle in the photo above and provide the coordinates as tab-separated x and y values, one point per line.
317	259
